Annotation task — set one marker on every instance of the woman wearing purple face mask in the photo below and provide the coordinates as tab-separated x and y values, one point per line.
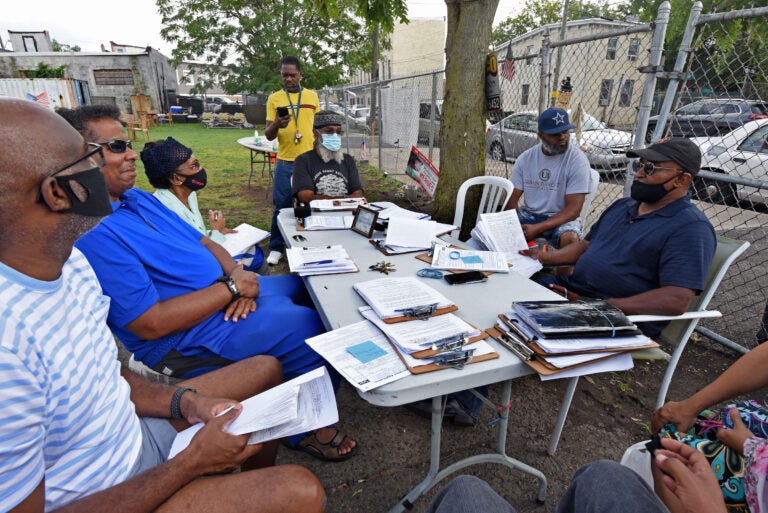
177	175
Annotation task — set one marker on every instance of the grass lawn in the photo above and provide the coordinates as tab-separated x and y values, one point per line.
227	165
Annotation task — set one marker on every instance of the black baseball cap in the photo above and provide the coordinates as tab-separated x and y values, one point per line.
678	149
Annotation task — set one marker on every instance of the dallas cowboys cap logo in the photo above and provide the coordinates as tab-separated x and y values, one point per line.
559	119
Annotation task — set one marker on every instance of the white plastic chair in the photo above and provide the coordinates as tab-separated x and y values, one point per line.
676	334
496	193
594	181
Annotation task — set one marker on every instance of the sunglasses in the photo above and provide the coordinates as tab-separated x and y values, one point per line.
651	168
117	145
93	150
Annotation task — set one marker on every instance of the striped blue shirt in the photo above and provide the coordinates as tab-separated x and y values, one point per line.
65	412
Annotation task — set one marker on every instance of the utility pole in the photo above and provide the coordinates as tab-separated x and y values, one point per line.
556	74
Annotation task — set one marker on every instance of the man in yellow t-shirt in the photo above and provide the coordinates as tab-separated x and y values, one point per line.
290	118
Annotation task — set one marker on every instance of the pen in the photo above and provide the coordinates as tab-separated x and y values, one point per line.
216	216
319	262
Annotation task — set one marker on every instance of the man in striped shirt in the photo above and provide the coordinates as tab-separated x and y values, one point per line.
77	431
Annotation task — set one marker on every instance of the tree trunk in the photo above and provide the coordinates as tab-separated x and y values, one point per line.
462	129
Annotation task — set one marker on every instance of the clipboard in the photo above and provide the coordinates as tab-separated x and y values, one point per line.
546	369
381	247
539	351
428	353
438	311
431	367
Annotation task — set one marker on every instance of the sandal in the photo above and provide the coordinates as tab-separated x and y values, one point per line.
328	451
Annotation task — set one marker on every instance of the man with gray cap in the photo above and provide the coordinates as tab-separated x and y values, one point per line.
325	171
647	254
554	175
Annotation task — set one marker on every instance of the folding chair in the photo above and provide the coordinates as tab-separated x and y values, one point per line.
496	193
676	334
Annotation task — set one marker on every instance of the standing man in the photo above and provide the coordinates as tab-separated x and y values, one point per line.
290	118
555	176
326	172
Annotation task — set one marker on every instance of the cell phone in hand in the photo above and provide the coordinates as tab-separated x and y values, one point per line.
282	111
467	277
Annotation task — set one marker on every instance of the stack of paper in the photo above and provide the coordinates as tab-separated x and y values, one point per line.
329	222
246	236
501	231
337	204
302	404
469	260
320	260
405	235
566	357
394	298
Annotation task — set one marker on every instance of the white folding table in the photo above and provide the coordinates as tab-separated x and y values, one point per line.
479	304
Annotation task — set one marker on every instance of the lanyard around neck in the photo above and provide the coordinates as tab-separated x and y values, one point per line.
295	109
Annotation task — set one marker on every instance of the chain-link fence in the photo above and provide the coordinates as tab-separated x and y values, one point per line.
610	77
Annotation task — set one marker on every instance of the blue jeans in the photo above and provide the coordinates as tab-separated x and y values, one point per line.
552	236
282	198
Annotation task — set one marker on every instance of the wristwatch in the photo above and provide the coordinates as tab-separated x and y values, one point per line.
231	285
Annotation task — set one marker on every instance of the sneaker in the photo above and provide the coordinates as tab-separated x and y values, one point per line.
274	257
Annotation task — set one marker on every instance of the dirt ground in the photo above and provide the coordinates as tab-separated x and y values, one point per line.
609	412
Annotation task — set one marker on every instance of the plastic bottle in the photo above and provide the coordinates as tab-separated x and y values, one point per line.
256	137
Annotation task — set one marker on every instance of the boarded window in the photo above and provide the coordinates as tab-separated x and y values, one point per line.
105	77
606	86
625	95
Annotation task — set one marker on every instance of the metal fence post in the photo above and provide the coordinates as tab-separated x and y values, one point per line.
432	116
544	76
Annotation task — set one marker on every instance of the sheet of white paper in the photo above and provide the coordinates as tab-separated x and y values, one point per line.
410	232
465	260
389	210
337	204
412	336
312	406
504	231
246	236
364	375
328	222
620	363
388	295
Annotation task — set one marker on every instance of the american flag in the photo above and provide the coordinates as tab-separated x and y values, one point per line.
42	99
363	151
508	66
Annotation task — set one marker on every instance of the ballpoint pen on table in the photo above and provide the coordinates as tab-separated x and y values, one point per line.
319	262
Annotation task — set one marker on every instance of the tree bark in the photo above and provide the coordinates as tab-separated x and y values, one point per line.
462	128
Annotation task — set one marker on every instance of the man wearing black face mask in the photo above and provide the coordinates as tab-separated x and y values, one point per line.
647	254
81	433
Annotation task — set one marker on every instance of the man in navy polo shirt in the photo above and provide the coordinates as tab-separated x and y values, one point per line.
649	253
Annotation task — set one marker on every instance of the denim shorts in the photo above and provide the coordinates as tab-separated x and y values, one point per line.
156	439
552	236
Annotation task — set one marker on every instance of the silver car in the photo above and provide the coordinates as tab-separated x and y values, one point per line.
516	133
743	154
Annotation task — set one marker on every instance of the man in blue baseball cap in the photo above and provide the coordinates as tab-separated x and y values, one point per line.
555	177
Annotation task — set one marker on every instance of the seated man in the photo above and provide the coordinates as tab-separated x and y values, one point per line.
554	175
78	436
178	301
647	254
325	171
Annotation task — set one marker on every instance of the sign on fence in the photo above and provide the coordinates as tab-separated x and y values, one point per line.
423	171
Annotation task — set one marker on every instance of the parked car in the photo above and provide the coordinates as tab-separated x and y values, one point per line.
605	146
426	125
713	117
741	153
